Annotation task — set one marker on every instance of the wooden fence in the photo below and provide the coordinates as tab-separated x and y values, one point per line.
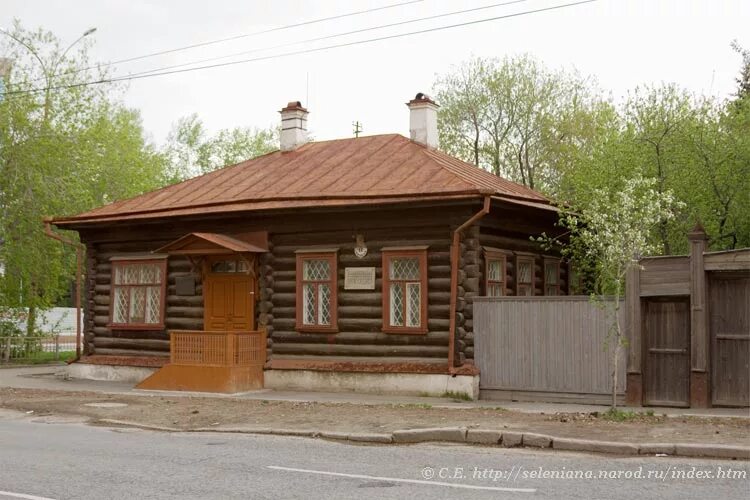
544	349
690	328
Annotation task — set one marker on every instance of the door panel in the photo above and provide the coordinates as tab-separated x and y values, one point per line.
241	304
216	295
667	353
729	320
229	302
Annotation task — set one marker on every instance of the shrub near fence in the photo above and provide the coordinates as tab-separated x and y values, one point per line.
544	349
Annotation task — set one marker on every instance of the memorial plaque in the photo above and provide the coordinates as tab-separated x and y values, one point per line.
359	278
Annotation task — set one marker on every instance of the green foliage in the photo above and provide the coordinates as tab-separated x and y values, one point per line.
555	132
192	151
61	152
510	116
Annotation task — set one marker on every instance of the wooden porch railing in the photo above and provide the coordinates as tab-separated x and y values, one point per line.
218	348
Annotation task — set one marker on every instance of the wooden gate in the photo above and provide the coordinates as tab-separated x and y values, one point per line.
729	321
667	352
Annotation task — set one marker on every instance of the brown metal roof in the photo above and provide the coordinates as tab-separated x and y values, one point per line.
366	170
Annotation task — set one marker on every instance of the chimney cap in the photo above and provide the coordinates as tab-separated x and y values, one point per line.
421	98
294	106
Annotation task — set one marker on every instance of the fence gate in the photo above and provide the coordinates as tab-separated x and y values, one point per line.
729	322
667	352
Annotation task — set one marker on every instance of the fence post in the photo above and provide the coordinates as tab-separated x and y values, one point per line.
6	352
634	377
699	339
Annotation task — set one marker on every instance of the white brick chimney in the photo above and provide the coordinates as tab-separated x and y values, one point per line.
423	121
293	126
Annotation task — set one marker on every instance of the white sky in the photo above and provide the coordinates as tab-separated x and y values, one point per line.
623	43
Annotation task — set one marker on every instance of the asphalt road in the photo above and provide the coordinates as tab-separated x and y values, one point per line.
40	460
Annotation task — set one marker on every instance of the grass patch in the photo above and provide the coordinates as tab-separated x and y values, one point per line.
459	396
616	415
43	357
423	406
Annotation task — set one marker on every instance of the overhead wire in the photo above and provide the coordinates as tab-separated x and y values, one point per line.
240	36
300	52
328	37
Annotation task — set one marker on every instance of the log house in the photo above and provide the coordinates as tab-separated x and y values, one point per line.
343	264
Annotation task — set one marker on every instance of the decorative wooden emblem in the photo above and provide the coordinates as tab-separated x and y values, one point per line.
361	249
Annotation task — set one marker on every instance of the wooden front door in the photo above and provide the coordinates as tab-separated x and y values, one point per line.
229	300
667	353
729	320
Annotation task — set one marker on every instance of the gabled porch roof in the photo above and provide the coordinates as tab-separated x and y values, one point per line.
216	244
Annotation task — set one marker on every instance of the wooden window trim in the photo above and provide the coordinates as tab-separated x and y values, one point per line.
395	252
555	261
331	255
494	254
525	258
120	261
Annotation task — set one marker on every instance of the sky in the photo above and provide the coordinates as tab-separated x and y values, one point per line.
621	43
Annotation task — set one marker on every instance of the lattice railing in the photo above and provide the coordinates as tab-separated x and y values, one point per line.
216	348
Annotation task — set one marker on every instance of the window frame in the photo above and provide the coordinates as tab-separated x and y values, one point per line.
575	280
331	255
558	287
531	260
389	253
125	261
493	254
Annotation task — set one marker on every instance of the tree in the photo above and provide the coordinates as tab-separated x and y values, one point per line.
511	116
62	151
191	151
611	233
743	81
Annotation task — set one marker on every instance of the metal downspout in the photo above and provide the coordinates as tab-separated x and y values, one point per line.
455	258
80	248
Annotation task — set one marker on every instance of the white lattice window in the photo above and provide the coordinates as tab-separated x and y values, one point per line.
138	288
524	275
316	292
551	276
495	274
404	285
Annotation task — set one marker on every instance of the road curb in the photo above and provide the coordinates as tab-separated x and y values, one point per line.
481	437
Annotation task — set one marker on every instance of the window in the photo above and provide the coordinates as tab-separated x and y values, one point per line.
551	276
225	266
405	290
317	291
138	290
575	280
495	272
525	275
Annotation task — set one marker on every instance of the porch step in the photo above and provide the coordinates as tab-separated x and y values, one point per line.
223	379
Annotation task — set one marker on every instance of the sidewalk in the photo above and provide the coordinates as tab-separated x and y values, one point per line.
39	394
43	377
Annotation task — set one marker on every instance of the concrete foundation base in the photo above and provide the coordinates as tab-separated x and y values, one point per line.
131	374
407	384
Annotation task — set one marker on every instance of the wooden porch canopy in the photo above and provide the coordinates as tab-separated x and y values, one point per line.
216	244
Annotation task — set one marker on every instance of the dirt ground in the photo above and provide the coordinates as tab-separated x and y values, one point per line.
197	412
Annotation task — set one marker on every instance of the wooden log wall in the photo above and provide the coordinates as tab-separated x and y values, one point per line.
360	311
182	312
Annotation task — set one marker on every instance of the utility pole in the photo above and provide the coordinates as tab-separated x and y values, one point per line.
357	128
